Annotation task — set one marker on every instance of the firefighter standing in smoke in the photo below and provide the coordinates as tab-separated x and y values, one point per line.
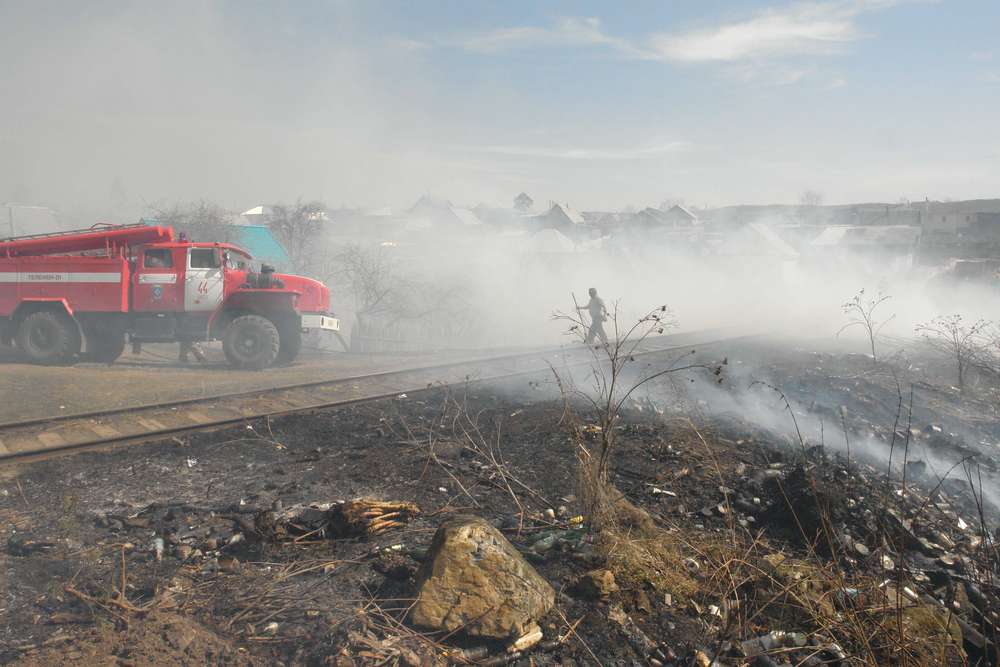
598	315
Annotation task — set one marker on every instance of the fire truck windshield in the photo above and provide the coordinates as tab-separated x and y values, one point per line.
240	261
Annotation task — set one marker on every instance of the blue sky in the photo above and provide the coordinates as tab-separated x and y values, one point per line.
601	105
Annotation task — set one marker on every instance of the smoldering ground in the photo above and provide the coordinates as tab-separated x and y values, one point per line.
774	392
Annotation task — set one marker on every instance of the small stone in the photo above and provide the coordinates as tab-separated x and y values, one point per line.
526	641
229	564
595	585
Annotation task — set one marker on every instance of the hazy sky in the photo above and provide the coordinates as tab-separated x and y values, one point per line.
598	104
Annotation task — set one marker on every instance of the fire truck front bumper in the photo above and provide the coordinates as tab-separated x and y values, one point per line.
322	322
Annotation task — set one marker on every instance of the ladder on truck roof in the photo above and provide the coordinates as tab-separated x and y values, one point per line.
99	227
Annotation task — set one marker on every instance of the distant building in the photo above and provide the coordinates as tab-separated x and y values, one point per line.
982	225
888	245
960	230
432	213
564	219
678	216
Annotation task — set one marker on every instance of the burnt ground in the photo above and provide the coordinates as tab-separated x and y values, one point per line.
761	531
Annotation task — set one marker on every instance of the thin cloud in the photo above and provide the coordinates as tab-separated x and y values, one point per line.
584	153
814	28
567	31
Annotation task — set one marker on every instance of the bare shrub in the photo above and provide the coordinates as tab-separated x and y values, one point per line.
860	311
613	378
385	296
959	339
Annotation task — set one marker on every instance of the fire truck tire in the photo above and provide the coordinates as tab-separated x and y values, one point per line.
291	341
107	347
251	342
47	337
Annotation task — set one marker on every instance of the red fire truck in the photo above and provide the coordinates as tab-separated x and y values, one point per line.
82	293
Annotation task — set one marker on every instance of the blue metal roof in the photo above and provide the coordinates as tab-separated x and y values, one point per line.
260	242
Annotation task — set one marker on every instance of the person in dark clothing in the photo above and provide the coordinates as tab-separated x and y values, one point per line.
598	315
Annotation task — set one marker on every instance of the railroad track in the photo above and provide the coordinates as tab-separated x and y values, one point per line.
40	438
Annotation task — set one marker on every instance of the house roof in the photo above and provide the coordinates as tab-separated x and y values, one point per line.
874	235
679	210
565	209
467	217
771	238
260	242
551	241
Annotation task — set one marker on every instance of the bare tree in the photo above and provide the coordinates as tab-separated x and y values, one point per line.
200	213
860	310
299	228
523	203
954	336
811	198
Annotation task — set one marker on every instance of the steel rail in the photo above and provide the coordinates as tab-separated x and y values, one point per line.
417	379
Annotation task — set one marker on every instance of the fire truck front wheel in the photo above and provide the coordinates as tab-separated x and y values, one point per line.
251	342
291	340
48	337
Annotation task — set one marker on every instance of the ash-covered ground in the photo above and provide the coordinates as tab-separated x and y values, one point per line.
758	521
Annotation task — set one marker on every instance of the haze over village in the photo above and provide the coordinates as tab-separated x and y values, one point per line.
339	333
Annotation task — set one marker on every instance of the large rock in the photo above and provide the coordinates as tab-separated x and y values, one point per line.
475	580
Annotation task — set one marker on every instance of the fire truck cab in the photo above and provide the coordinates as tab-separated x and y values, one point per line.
88	292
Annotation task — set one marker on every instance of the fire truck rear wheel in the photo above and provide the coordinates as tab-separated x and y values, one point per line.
48	337
251	342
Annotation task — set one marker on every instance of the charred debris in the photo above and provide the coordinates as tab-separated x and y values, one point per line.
459	528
